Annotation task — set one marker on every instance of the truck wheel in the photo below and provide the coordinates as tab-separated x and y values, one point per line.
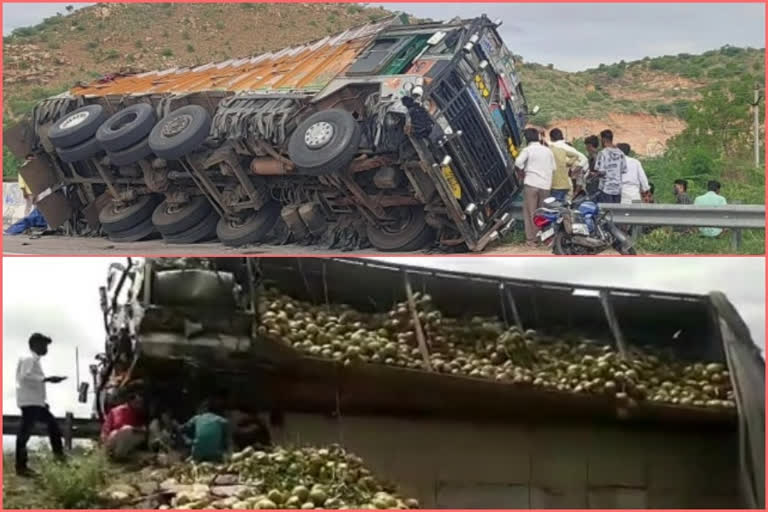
201	232
131	154
77	126
172	219
325	142
115	218
126	127
79	152
561	246
410	233
180	132
133	234
250	230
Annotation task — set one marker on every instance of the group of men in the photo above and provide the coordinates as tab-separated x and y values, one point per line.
207	436
608	174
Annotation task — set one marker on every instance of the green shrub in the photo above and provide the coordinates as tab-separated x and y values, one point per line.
190	48
138	44
113	54
76	484
167	52
90	45
185	36
53	45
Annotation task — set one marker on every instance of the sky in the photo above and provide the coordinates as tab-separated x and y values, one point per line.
59	297
573	37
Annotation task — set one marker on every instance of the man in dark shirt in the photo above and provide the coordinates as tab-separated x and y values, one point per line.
592	144
681	192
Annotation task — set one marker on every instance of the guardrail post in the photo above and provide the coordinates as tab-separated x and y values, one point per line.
69	419
736	235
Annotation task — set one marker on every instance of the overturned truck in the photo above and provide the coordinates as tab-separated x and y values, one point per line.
390	135
467	390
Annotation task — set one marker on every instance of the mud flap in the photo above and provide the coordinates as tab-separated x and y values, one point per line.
20	139
46	187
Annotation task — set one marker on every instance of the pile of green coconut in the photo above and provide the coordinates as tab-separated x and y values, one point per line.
281	478
484	347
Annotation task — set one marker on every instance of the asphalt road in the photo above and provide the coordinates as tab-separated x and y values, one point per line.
65	246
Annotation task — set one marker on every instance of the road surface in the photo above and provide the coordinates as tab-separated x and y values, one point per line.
65	246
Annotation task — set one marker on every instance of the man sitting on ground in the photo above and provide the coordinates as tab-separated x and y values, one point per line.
209	435
711	198
123	430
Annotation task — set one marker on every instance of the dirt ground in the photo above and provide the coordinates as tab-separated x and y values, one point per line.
64	246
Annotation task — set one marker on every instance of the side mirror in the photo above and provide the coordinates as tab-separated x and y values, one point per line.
535	110
82	392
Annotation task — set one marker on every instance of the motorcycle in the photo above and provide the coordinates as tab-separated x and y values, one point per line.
579	227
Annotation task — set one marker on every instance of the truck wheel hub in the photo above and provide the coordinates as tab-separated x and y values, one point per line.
318	135
176	126
74	120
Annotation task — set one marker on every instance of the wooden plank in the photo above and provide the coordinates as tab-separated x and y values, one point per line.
417	322
613	322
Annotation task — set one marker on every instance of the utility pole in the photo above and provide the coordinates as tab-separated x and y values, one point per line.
756	128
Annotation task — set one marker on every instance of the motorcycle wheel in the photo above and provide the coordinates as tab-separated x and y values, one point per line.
627	252
560	246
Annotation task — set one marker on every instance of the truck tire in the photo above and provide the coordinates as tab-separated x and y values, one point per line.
77	126
115	220
79	152
180	132
173	221
252	230
325	142
126	127
204	230
412	234
133	234
131	154
560	246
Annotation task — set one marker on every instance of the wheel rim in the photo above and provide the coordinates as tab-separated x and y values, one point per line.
319	134
131	117
74	120
238	222
176	125
404	217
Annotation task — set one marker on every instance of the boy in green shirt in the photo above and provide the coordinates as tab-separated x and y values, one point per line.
209	435
711	198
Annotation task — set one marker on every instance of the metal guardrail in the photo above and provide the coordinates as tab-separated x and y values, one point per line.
733	216
71	428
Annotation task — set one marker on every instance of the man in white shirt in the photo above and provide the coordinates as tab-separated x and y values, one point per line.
634	182
537	163
30	397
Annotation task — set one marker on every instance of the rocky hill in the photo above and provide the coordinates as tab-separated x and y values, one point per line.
644	101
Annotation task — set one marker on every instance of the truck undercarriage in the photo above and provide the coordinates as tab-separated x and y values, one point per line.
395	136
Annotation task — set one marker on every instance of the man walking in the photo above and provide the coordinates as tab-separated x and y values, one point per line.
711	198
537	163
568	161
634	182
30	397
611	164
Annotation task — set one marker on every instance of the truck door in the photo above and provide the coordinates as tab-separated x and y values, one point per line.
747	368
